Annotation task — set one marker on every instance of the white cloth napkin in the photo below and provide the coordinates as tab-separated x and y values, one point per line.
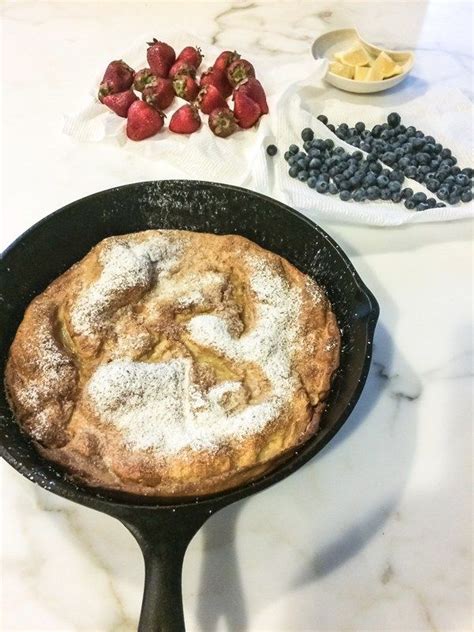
296	94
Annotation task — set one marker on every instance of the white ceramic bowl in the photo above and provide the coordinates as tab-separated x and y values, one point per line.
341	40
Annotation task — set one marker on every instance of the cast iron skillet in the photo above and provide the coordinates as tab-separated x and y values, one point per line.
42	253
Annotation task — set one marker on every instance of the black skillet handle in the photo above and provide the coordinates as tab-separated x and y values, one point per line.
164	536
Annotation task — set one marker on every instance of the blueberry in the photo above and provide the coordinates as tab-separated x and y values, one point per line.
293	171
422	206
402	138
329	143
456	189
410	171
375	167
344	185
287	155
431	202
354	182
360	127
319	143
418	143
357	155
372	157
292	160
345	195
443	193
435	163
394	186
370	179
307	145
437	148
303	176
424	170
450	180
272	150
331	127
322	186
419	197
419	134
396	196
300	154
373	193
468	171
410	131
307	134
376	131
386	134
454	199
388	158
442	174
409	204
332	171
445	153
429	147
432	184
382	181
314	173
430	139
462	179
455	170
466	196
423	158
333	189
359	195
293	149
396	176
311	182
302	163
393	119
324	176
407	193
314	152
323	119
440	205
385	194
315	163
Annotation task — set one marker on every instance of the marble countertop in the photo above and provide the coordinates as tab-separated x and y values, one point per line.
374	534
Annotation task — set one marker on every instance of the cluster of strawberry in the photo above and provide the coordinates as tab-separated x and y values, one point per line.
169	76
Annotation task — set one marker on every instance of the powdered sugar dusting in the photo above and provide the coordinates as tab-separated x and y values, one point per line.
158	406
125	266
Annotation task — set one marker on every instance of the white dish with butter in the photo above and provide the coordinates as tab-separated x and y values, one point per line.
334	43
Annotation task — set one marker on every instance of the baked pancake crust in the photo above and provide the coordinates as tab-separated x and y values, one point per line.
173	363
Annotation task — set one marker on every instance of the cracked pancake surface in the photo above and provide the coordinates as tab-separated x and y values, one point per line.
173	363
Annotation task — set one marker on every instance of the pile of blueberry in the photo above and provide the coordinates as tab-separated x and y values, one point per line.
409	151
330	169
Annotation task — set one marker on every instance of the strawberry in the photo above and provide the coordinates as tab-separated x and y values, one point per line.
182	68
120	102
160	57
254	90
218	79
191	55
239	70
246	110
143	121
159	94
222	122
185	87
142	78
209	98
225	59
185	120
118	77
